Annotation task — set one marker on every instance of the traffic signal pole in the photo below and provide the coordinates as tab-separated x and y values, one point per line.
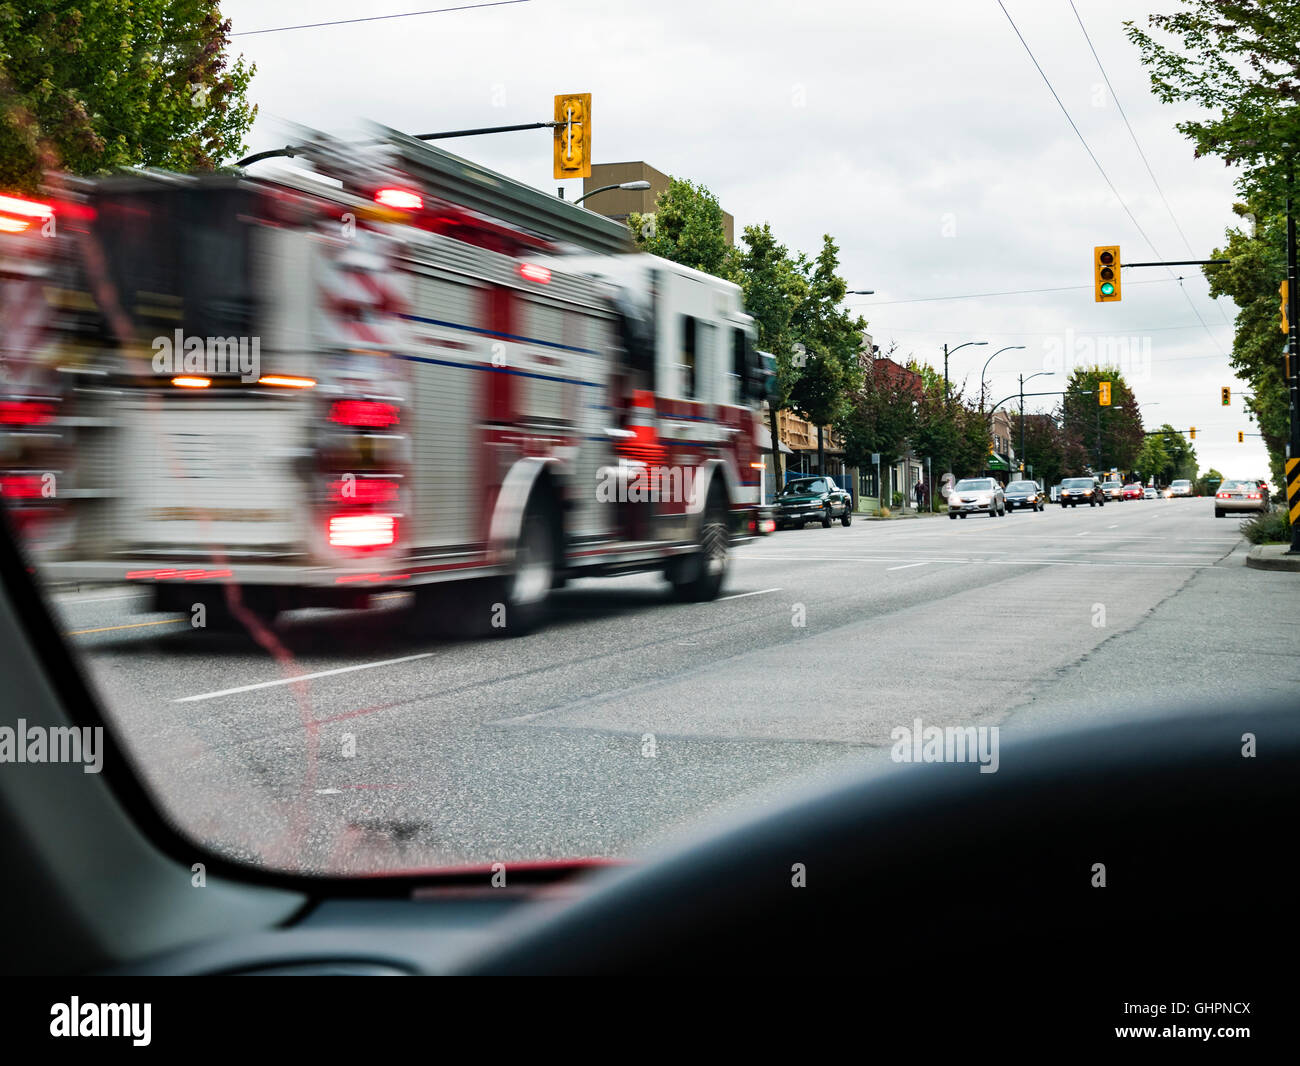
1291	465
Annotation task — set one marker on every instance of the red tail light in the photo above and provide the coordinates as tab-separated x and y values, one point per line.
402	199
362	530
363	491
535	272
368	414
25	412
17	214
22	486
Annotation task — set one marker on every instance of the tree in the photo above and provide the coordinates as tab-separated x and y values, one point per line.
687	227
773	286
1239	60
832	339
1153	460
1258	254
1050	451
1112	434
91	87
881	416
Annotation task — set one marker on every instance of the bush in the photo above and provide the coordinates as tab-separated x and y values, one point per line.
1271	528
898	499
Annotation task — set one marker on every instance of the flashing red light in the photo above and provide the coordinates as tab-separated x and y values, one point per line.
402	199
22	486
362	491
535	272
369	414
362	530
17	214
25	412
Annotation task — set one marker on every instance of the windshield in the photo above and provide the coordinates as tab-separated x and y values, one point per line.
400	510
798	488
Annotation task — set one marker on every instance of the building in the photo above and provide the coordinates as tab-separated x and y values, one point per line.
619	203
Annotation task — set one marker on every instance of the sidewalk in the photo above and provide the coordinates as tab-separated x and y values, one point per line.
864	516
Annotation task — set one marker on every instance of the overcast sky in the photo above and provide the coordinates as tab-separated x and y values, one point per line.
920	136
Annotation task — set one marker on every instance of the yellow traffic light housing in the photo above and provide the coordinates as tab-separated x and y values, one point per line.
1284	290
1105	268
1241	437
1103	393
1225	394
573	136
1193	433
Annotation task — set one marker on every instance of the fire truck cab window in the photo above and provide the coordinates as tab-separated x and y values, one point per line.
688	355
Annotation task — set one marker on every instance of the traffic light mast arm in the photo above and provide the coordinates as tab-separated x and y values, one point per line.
1181	263
290	150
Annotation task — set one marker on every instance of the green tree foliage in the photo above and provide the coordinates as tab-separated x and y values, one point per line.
946	429
1050	451
92	86
687	227
881	416
1240	61
1179	456
1258	253
1112	435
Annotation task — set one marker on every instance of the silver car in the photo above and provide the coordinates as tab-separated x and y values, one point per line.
977	495
1240	496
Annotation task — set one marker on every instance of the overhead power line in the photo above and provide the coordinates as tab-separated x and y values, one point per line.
1008	292
379	18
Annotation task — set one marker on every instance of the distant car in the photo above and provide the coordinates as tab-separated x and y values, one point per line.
1150	493
1133	492
1056	492
813	499
1181	487
1026	494
977	495
1114	490
1077	490
1240	496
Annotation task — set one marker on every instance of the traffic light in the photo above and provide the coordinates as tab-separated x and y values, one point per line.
1193	433
1284	290
1103	393
1241	437
573	135
1225	394
1105	266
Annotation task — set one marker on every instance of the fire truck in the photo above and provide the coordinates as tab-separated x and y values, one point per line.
386	368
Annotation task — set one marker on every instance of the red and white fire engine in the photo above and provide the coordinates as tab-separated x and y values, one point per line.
396	371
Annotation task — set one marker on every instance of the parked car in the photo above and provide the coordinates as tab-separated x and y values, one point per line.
813	499
1028	494
1113	490
1077	490
1181	487
1134	491
1150	493
1240	496
979	495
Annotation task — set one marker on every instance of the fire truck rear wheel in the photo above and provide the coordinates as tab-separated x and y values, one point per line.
699	576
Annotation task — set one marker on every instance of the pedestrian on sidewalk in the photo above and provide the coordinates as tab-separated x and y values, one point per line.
920	494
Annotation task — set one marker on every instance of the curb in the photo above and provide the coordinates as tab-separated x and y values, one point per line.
1272	557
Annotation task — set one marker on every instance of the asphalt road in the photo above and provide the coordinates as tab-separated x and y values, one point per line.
631	717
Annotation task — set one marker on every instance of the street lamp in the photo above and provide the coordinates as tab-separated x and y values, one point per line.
947	353
630	186
990	359
1023	379
859	292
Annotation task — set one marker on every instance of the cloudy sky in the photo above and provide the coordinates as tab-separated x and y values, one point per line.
920	136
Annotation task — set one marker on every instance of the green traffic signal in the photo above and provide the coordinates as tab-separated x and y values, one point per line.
1107	289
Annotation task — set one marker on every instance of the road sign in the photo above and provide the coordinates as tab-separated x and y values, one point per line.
573	136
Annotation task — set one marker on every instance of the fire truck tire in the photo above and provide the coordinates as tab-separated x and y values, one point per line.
699	577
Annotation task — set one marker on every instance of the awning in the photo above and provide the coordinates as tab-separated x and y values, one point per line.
764	441
996	462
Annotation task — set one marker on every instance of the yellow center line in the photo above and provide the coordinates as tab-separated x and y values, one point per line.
131	625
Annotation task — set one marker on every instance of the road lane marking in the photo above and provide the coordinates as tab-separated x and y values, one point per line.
908	566
301	677
129	625
1083	534
742	595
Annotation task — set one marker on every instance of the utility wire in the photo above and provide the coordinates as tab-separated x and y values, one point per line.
1008	292
379	18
